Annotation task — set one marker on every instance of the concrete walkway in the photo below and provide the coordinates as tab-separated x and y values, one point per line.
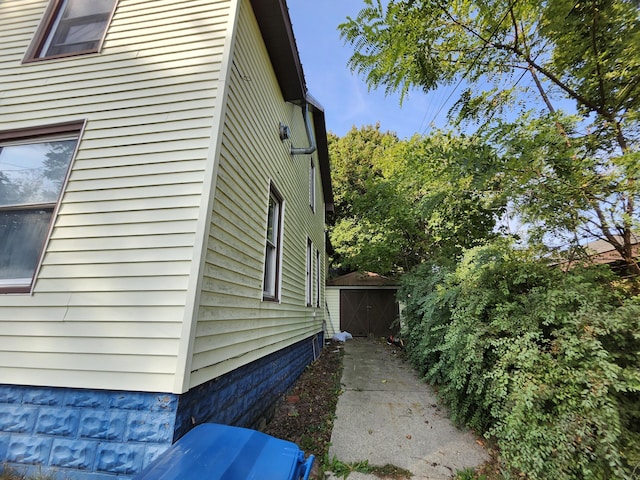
387	415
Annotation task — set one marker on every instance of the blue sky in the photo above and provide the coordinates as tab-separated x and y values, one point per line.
343	94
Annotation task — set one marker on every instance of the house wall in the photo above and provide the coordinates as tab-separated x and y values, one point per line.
333	306
235	325
108	305
83	434
102	434
246	396
148	282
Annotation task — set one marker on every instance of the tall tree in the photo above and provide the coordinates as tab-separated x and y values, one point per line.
586	52
399	202
362	235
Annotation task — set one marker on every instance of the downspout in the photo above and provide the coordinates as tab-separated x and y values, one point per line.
312	141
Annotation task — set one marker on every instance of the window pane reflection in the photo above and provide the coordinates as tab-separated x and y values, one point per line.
33	173
22	234
78	27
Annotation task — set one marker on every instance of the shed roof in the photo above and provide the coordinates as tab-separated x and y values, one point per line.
361	279
603	246
599	252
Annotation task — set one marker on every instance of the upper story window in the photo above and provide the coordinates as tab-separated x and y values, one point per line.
312	185
33	170
72	27
273	246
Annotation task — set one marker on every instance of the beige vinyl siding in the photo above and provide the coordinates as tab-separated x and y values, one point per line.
235	326
109	302
333	308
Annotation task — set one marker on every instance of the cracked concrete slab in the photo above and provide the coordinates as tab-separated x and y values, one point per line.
387	415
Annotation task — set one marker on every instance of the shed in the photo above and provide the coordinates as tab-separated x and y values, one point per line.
363	304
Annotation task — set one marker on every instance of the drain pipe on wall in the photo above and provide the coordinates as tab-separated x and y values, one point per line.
312	141
315	341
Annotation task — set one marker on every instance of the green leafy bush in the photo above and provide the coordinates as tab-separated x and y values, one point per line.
545	361
427	314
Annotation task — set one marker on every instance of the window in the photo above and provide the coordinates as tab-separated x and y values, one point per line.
72	27
272	250
308	281
318	278
312	185
33	169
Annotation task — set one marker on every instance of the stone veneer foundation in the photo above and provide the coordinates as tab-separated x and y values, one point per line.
76	434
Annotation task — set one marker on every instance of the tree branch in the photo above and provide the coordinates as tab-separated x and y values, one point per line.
594	45
551	76
515	26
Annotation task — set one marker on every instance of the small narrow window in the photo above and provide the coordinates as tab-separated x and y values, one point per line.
312	185
272	249
308	281
33	171
318	278
72	27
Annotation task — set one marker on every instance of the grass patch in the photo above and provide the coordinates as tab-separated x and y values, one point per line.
342	469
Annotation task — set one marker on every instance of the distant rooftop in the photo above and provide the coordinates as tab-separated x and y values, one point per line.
361	279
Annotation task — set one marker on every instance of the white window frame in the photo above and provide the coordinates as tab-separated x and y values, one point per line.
273	246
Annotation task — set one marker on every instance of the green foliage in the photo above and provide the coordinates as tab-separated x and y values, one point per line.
559	185
427	313
597	55
469	474
566	176
401	201
342	469
368	231
547	362
588	52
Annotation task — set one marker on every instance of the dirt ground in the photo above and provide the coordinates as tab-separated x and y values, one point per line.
305	415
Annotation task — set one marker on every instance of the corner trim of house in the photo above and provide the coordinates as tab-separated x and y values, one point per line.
185	352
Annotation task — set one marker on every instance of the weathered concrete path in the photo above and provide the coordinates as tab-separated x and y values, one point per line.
387	415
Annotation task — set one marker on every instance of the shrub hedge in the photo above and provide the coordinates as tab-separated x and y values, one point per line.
544	361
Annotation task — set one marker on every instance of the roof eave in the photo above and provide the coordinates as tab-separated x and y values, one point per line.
323	158
277	31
